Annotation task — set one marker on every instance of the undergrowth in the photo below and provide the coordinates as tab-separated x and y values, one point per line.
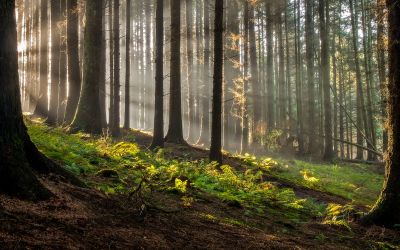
123	168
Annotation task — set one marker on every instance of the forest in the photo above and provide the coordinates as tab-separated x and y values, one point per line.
199	124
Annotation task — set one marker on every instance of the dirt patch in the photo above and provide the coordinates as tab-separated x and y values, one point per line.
79	218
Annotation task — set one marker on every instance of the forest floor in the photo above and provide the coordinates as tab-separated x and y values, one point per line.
175	199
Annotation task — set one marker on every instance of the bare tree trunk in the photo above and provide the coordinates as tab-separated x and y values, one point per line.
215	150
158	137
74	76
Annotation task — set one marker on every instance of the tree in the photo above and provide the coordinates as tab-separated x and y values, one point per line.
175	132
74	76
205	121
270	67
361	110
115	126
324	22
20	159
88	116
216	128
309	24
42	103
385	211
55	10
62	90
127	65
158	135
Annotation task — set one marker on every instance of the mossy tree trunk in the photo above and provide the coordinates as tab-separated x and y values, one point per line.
386	210
88	115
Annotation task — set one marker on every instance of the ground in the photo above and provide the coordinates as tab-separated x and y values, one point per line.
174	198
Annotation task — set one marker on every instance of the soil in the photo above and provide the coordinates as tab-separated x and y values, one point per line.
79	218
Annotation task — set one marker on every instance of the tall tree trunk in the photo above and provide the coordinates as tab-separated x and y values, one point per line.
62	99
158	137
149	107
115	129
270	68
102	83
111	66
257	107
55	61
324	22
215	150
361	110
127	66
381	66
88	117
385	211
309	26
189	51
74	76
205	121
175	131
368	80
42	103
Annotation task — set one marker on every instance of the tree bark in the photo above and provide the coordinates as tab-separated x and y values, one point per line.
42	103
324	22
215	150
127	116
175	131
55	61
115	129
74	76
385	212
88	117
158	136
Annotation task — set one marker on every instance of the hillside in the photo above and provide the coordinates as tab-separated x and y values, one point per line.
174	198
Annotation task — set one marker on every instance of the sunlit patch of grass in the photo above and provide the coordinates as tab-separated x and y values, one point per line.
356	182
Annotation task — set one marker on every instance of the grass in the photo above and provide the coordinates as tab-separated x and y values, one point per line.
130	167
357	182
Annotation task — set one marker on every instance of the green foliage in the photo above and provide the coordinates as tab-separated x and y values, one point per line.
134	170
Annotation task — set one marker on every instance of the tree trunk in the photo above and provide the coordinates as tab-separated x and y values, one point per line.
74	76
205	121
381	66
62	99
270	69
215	150
324	22
385	212
127	116
309	26
158	136
55	61
42	103
361	110
175	132
88	117
115	129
